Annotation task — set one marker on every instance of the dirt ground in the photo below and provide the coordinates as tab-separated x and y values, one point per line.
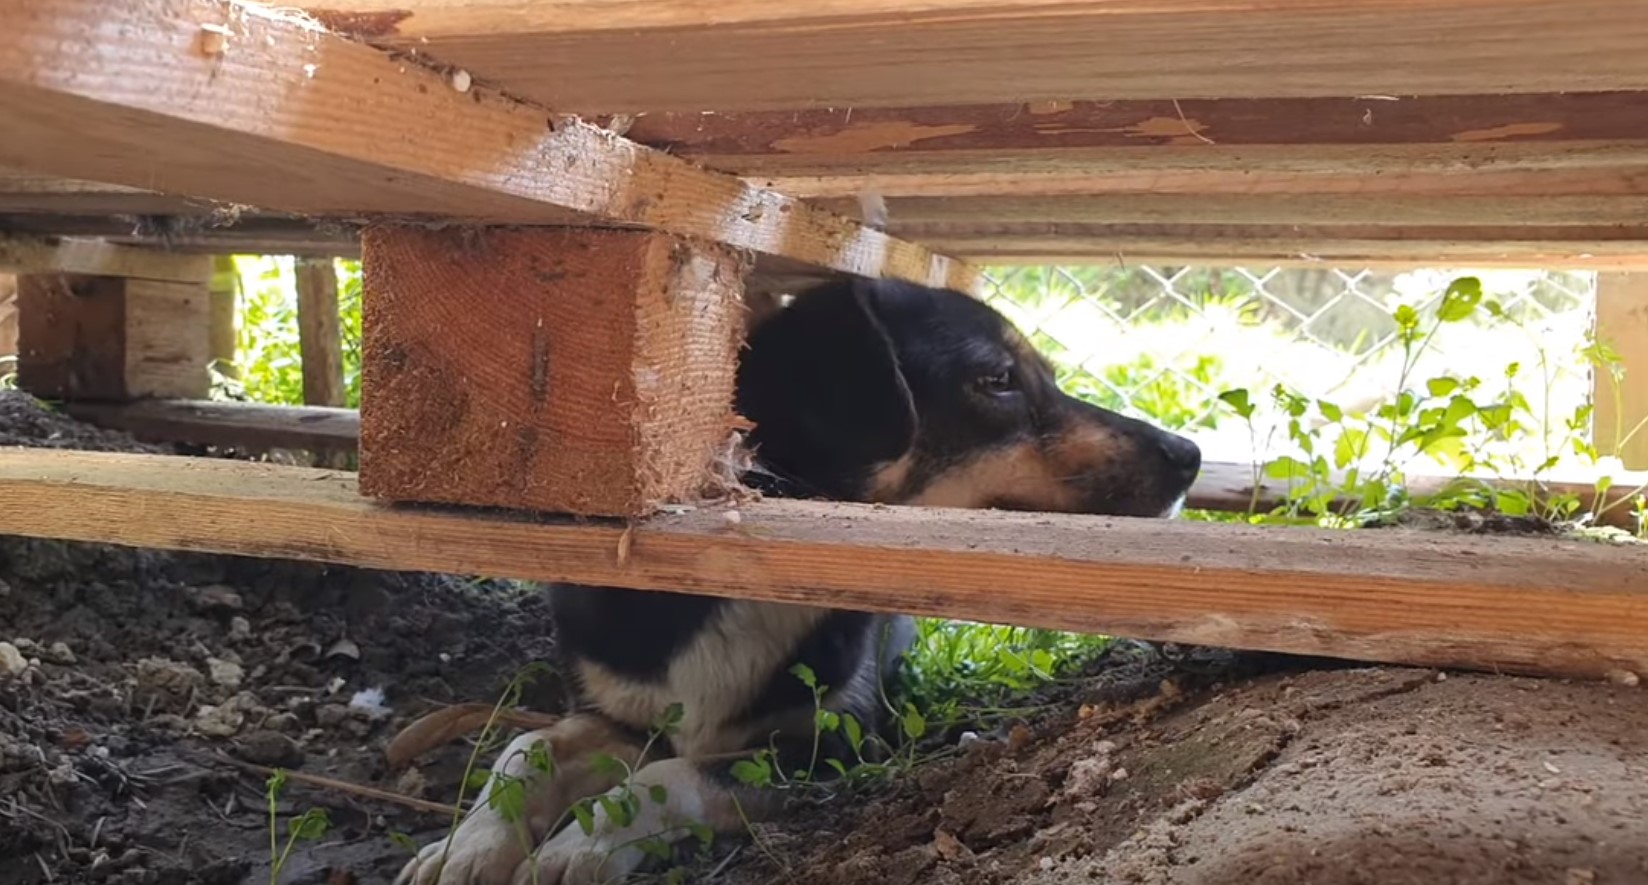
149	681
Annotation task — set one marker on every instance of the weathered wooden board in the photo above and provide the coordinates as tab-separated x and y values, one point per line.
1514	604
594	56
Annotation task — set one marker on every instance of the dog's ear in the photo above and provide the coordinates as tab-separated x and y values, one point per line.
822	383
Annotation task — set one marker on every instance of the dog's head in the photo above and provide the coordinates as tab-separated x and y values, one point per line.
895	393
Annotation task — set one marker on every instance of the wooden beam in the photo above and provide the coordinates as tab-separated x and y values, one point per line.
8	317
590	56
581	372
32	255
256	427
1511	246
838	137
320	333
112	338
1521	605
1226	486
223	290
337	128
1620	420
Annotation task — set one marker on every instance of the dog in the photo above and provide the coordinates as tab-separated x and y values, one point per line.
864	391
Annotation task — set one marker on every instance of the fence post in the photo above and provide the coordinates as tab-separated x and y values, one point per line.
1622	323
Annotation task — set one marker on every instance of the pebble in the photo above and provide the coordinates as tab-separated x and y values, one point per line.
270	748
60	653
1624	677
239	628
12	662
214	598
331	715
226	673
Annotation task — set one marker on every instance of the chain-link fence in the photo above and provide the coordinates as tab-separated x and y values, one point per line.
1163	343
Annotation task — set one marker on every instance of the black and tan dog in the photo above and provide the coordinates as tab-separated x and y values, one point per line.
871	392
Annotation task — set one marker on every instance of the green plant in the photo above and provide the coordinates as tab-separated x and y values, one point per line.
309	826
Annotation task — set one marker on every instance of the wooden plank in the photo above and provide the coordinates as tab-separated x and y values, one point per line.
8	317
1229	487
915	214
845	135
94	91
592	56
253	427
223	292
1521	605
30	255
1610	248
1620	420
112	338
582	372
320	333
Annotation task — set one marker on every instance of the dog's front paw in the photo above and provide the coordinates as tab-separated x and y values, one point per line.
484	851
572	858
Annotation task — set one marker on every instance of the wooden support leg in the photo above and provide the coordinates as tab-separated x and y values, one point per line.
320	336
586	372
112	338
224	292
8	318
1622	406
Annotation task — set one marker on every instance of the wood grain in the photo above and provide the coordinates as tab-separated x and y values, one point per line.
590	56
112	338
320	333
22	254
842	135
574	371
1620	420
95	91
1541	606
254	427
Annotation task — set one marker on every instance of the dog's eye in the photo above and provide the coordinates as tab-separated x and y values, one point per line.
1000	382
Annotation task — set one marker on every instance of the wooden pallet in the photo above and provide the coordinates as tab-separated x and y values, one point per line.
544	180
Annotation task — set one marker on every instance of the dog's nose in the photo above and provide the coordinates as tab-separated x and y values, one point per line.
1182	454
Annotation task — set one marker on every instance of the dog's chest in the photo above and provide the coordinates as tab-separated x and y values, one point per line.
715	676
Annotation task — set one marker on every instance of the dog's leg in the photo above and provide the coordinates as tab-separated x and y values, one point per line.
486	848
695	793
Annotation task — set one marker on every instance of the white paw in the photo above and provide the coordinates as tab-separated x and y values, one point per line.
485	851
571	858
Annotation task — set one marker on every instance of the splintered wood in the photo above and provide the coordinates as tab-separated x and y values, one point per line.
579	372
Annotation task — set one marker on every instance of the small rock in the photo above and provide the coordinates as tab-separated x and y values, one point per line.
60	653
226	673
1119	774
5	589
271	748
164	684
214	598
1624	677
412	783
331	715
1579	876
12	662
225	719
62	775
344	648
28	647
240	629
285	723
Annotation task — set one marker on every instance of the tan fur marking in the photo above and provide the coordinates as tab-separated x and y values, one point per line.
714	679
1021	473
888	482
1085	448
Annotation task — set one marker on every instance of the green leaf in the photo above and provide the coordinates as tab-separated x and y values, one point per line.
539	758
702	833
1460	300
913	723
1287	468
311	825
1330	411
508	798
670	719
855	731
405	842
658	794
584	813
1349	446
753	772
827	720
805	674
1238	401
1407	319
617	811
477	778
836	764
1440	387
1512	502
609	767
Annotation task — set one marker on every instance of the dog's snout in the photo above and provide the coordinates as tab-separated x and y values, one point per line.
1182	454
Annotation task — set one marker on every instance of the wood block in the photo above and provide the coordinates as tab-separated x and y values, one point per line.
112	338
8	315
1619	423
320	333
586	372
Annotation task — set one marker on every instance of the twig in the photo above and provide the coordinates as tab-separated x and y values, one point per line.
327	783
